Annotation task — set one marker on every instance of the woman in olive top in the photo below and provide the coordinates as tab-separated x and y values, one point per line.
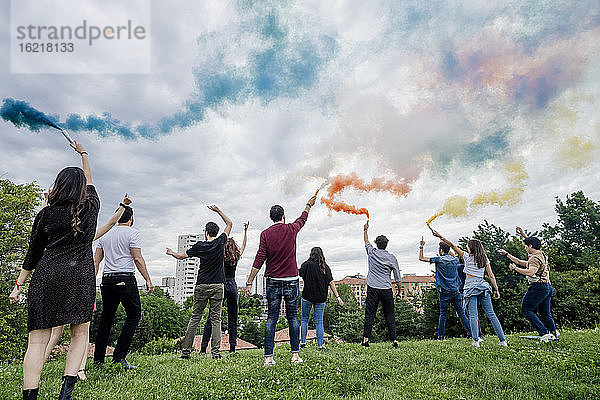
477	289
317	278
539	294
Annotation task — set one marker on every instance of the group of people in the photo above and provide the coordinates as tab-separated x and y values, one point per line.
62	289
467	291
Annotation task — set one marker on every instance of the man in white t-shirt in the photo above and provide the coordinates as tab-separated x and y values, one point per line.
121	249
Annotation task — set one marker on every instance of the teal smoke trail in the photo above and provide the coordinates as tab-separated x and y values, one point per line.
21	114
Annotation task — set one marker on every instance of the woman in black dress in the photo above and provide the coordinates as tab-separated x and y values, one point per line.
63	288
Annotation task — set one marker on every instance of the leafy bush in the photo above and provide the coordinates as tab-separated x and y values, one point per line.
158	346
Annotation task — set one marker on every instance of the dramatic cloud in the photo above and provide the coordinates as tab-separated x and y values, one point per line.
256	103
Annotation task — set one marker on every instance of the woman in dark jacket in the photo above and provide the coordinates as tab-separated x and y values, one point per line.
317	278
62	288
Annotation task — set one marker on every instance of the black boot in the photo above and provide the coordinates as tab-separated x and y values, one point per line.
30	394
68	384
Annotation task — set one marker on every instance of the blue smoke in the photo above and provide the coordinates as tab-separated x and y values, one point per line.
284	63
21	114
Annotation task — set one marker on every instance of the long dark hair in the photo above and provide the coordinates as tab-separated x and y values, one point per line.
316	255
69	190
232	252
477	251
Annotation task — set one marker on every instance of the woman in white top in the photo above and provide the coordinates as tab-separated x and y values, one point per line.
477	289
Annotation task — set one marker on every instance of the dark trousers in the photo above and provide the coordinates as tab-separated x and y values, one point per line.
117	290
386	297
231	296
538	296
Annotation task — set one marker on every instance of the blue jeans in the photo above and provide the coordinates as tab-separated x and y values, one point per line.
319	311
289	291
486	303
456	298
538	297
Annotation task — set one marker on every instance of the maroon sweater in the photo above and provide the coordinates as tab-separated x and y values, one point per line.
278	248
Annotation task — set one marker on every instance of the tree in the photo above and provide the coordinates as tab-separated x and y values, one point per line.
18	205
574	238
345	322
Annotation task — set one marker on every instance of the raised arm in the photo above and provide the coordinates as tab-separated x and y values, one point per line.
513	258
310	203
246	225
421	257
488	269
179	256
454	247
228	223
85	163
140	263
102	230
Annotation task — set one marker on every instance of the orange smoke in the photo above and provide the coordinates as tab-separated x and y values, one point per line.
341	182
340	206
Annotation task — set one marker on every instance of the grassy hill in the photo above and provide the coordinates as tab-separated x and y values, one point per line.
425	369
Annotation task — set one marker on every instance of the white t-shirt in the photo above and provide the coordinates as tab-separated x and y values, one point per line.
116	245
471	266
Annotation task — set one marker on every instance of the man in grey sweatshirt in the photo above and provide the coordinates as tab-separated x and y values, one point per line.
379	285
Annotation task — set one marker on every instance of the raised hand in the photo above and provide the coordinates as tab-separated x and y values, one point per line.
246	225
311	201
126	200
170	252
214	208
502	252
520	231
422	243
78	147
436	233
367	225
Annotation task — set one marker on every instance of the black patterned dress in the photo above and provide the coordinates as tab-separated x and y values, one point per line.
63	285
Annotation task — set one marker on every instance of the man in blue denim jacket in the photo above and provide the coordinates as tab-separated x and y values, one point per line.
447	283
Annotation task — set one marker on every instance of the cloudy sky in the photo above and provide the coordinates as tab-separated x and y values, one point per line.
250	104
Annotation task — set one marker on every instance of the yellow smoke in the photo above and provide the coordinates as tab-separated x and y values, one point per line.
575	152
515	175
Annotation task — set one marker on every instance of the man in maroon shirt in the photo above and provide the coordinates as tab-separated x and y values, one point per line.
278	248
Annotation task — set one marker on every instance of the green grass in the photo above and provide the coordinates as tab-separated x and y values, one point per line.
424	369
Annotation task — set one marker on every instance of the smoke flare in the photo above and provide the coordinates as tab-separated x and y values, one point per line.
458	206
21	114
340	206
341	182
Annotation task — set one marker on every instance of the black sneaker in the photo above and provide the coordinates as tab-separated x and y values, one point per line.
232	349
202	350
395	344
365	344
303	345
217	356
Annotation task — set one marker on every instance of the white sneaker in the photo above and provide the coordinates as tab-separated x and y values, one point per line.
503	343
297	360
547	337
268	363
475	343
